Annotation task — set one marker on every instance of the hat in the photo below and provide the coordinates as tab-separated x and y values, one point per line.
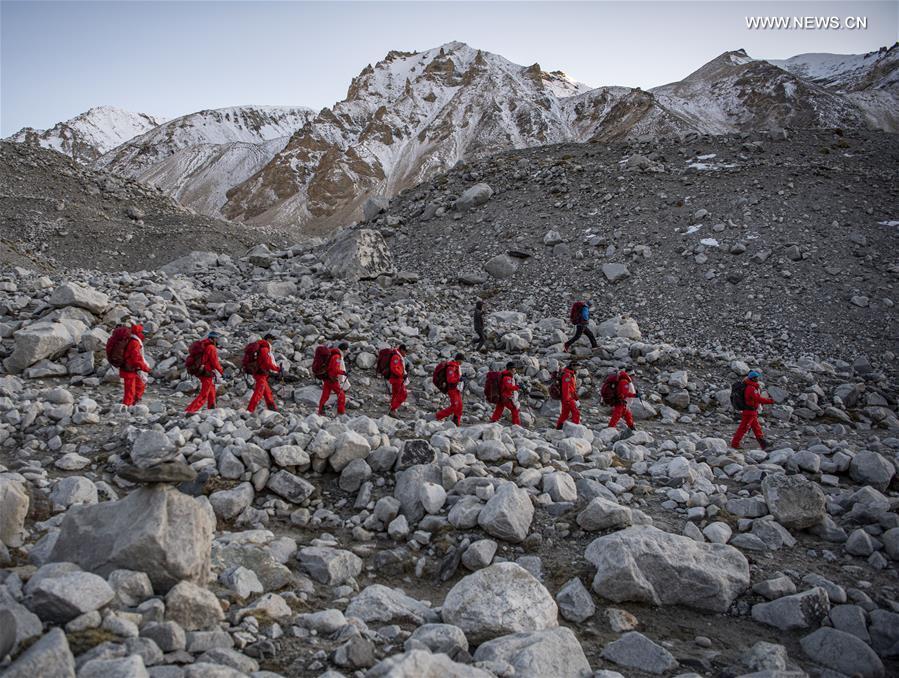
754	375
137	328
268	336
213	335
459	357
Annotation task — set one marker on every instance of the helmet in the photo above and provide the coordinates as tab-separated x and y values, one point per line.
754	375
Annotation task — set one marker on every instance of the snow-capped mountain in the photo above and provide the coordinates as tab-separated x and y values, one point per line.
734	92
197	158
91	134
869	81
415	114
403	120
847	72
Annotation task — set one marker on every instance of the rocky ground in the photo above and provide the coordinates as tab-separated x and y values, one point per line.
55	213
223	544
775	245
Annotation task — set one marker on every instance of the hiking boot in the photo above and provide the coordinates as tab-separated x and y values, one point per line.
763	444
627	434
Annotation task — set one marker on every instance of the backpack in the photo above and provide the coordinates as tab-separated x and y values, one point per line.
555	386
738	396
250	362
609	390
320	362
194	362
385	355
439	377
492	387
116	345
575	313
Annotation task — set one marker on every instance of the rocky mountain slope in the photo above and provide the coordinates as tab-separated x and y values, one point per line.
197	158
91	134
221	544
780	245
56	213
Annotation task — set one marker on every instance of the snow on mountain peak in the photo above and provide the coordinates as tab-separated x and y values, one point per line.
90	134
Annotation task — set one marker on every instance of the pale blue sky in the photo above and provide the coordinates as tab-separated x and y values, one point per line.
58	59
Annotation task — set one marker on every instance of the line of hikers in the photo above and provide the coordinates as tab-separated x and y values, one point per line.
125	351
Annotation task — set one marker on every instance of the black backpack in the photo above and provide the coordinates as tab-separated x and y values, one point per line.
738	396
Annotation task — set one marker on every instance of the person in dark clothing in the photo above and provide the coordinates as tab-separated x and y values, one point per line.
582	326
480	340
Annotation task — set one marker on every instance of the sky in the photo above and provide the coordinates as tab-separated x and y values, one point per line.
58	59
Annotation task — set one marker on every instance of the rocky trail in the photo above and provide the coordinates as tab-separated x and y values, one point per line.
777	245
152	543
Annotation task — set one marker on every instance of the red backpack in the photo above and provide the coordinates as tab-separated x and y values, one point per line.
116	345
250	362
385	355
575	313
493	387
194	362
555	386
609	390
439	377
321	360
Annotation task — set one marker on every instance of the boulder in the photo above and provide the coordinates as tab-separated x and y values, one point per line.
508	514
14	504
74	294
615	272
191	263
635	651
348	446
375	205
193	608
228	504
379	603
552	652
444	638
131	666
152	447
498	599
359	255
602	514
44	339
408	483
157	530
50	656
626	328
646	564
799	611
328	565
870	468
501	266
842	652
575	602
59	599
793	500
423	664
474	196
290	487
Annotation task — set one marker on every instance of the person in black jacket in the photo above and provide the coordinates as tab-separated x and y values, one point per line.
478	317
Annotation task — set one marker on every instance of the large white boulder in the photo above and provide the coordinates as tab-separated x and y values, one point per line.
508	514
41	340
646	564
500	599
552	652
82	296
359	255
157	530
